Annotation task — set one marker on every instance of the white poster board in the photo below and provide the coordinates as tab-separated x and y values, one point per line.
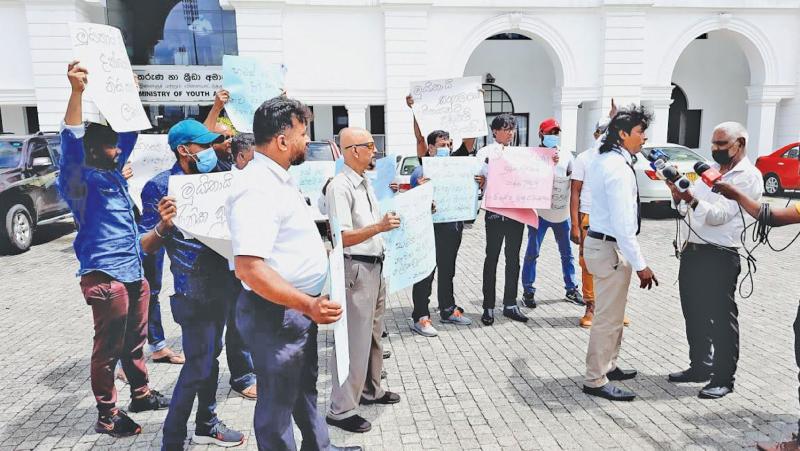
150	156
338	294
454	105
455	191
100	49
201	201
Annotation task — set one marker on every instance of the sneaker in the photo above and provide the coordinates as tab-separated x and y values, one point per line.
117	424
219	435
528	298
424	327
457	318
153	400
575	297
515	314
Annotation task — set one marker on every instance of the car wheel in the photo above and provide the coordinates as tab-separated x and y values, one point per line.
18	229
772	185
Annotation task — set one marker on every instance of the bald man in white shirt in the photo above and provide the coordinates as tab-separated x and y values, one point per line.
612	251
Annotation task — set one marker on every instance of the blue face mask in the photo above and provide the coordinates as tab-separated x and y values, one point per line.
551	141
443	152
206	160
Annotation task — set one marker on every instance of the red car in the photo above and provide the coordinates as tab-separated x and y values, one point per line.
781	169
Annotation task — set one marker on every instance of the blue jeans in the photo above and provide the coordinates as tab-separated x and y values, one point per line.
284	348
240	362
202	324
535	237
153	266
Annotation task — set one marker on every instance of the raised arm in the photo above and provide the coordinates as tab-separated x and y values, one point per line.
422	146
220	99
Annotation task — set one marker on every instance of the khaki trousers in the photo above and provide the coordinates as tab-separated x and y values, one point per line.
612	277
366	302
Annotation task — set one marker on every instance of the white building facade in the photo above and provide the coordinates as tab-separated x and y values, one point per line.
695	63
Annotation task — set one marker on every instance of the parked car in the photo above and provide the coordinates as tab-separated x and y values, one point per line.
28	194
781	169
320	151
653	192
405	166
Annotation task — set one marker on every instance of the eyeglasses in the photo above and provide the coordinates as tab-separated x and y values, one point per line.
369	145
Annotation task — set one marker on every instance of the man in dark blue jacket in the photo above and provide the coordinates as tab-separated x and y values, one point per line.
110	257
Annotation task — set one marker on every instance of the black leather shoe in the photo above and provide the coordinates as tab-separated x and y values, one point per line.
529	299
387	353
515	314
610	392
387	398
355	423
621	375
715	391
345	448
690	375
488	317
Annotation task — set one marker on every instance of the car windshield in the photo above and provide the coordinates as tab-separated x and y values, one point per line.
409	164
10	153
319	151
675	153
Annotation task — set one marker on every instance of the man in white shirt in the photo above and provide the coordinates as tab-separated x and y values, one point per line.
281	261
556	218
611	249
710	264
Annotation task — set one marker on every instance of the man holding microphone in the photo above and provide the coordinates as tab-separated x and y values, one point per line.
710	264
611	249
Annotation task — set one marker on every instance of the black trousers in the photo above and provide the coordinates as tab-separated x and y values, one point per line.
707	279
797	354
498	230
448	241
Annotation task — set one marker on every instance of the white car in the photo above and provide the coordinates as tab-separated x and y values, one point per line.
653	191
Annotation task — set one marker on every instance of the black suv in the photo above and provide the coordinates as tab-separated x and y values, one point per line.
28	192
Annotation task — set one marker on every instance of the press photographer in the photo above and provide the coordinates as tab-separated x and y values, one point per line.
710	264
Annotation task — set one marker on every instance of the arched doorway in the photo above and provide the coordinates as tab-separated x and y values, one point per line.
684	123
524	88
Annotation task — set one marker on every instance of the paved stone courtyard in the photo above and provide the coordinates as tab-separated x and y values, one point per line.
510	386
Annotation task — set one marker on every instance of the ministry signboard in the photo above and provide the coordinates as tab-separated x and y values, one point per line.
178	84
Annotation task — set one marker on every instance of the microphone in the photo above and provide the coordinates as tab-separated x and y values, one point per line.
680	181
709	175
658	159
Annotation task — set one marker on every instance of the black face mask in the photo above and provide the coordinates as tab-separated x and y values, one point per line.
721	156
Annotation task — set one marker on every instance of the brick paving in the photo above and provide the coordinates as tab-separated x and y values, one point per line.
510	386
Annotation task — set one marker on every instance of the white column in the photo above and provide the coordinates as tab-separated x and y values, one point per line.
762	106
623	51
356	115
565	104
259	28
657	99
51	51
405	28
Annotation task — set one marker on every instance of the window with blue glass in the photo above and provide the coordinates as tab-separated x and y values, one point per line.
174	32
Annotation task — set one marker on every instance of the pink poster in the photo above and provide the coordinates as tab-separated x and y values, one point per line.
523	215
520	177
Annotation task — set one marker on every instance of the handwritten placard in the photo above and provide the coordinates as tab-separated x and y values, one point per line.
310	177
455	191
151	156
201	200
561	193
454	105
410	248
520	177
100	49
382	176
338	294
250	82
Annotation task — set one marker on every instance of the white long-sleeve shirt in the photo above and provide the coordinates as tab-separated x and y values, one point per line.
716	219
615	211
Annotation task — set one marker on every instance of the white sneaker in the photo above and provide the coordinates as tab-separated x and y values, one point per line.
424	327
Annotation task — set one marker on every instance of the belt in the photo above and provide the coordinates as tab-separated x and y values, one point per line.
365	258
600	236
708	247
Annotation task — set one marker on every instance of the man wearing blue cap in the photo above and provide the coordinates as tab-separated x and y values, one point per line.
204	287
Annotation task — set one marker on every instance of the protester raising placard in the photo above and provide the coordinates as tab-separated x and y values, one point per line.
100	49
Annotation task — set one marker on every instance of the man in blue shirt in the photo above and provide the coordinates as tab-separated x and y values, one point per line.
110	257
204	287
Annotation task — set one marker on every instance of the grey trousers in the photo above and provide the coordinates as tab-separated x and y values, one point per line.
366	303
